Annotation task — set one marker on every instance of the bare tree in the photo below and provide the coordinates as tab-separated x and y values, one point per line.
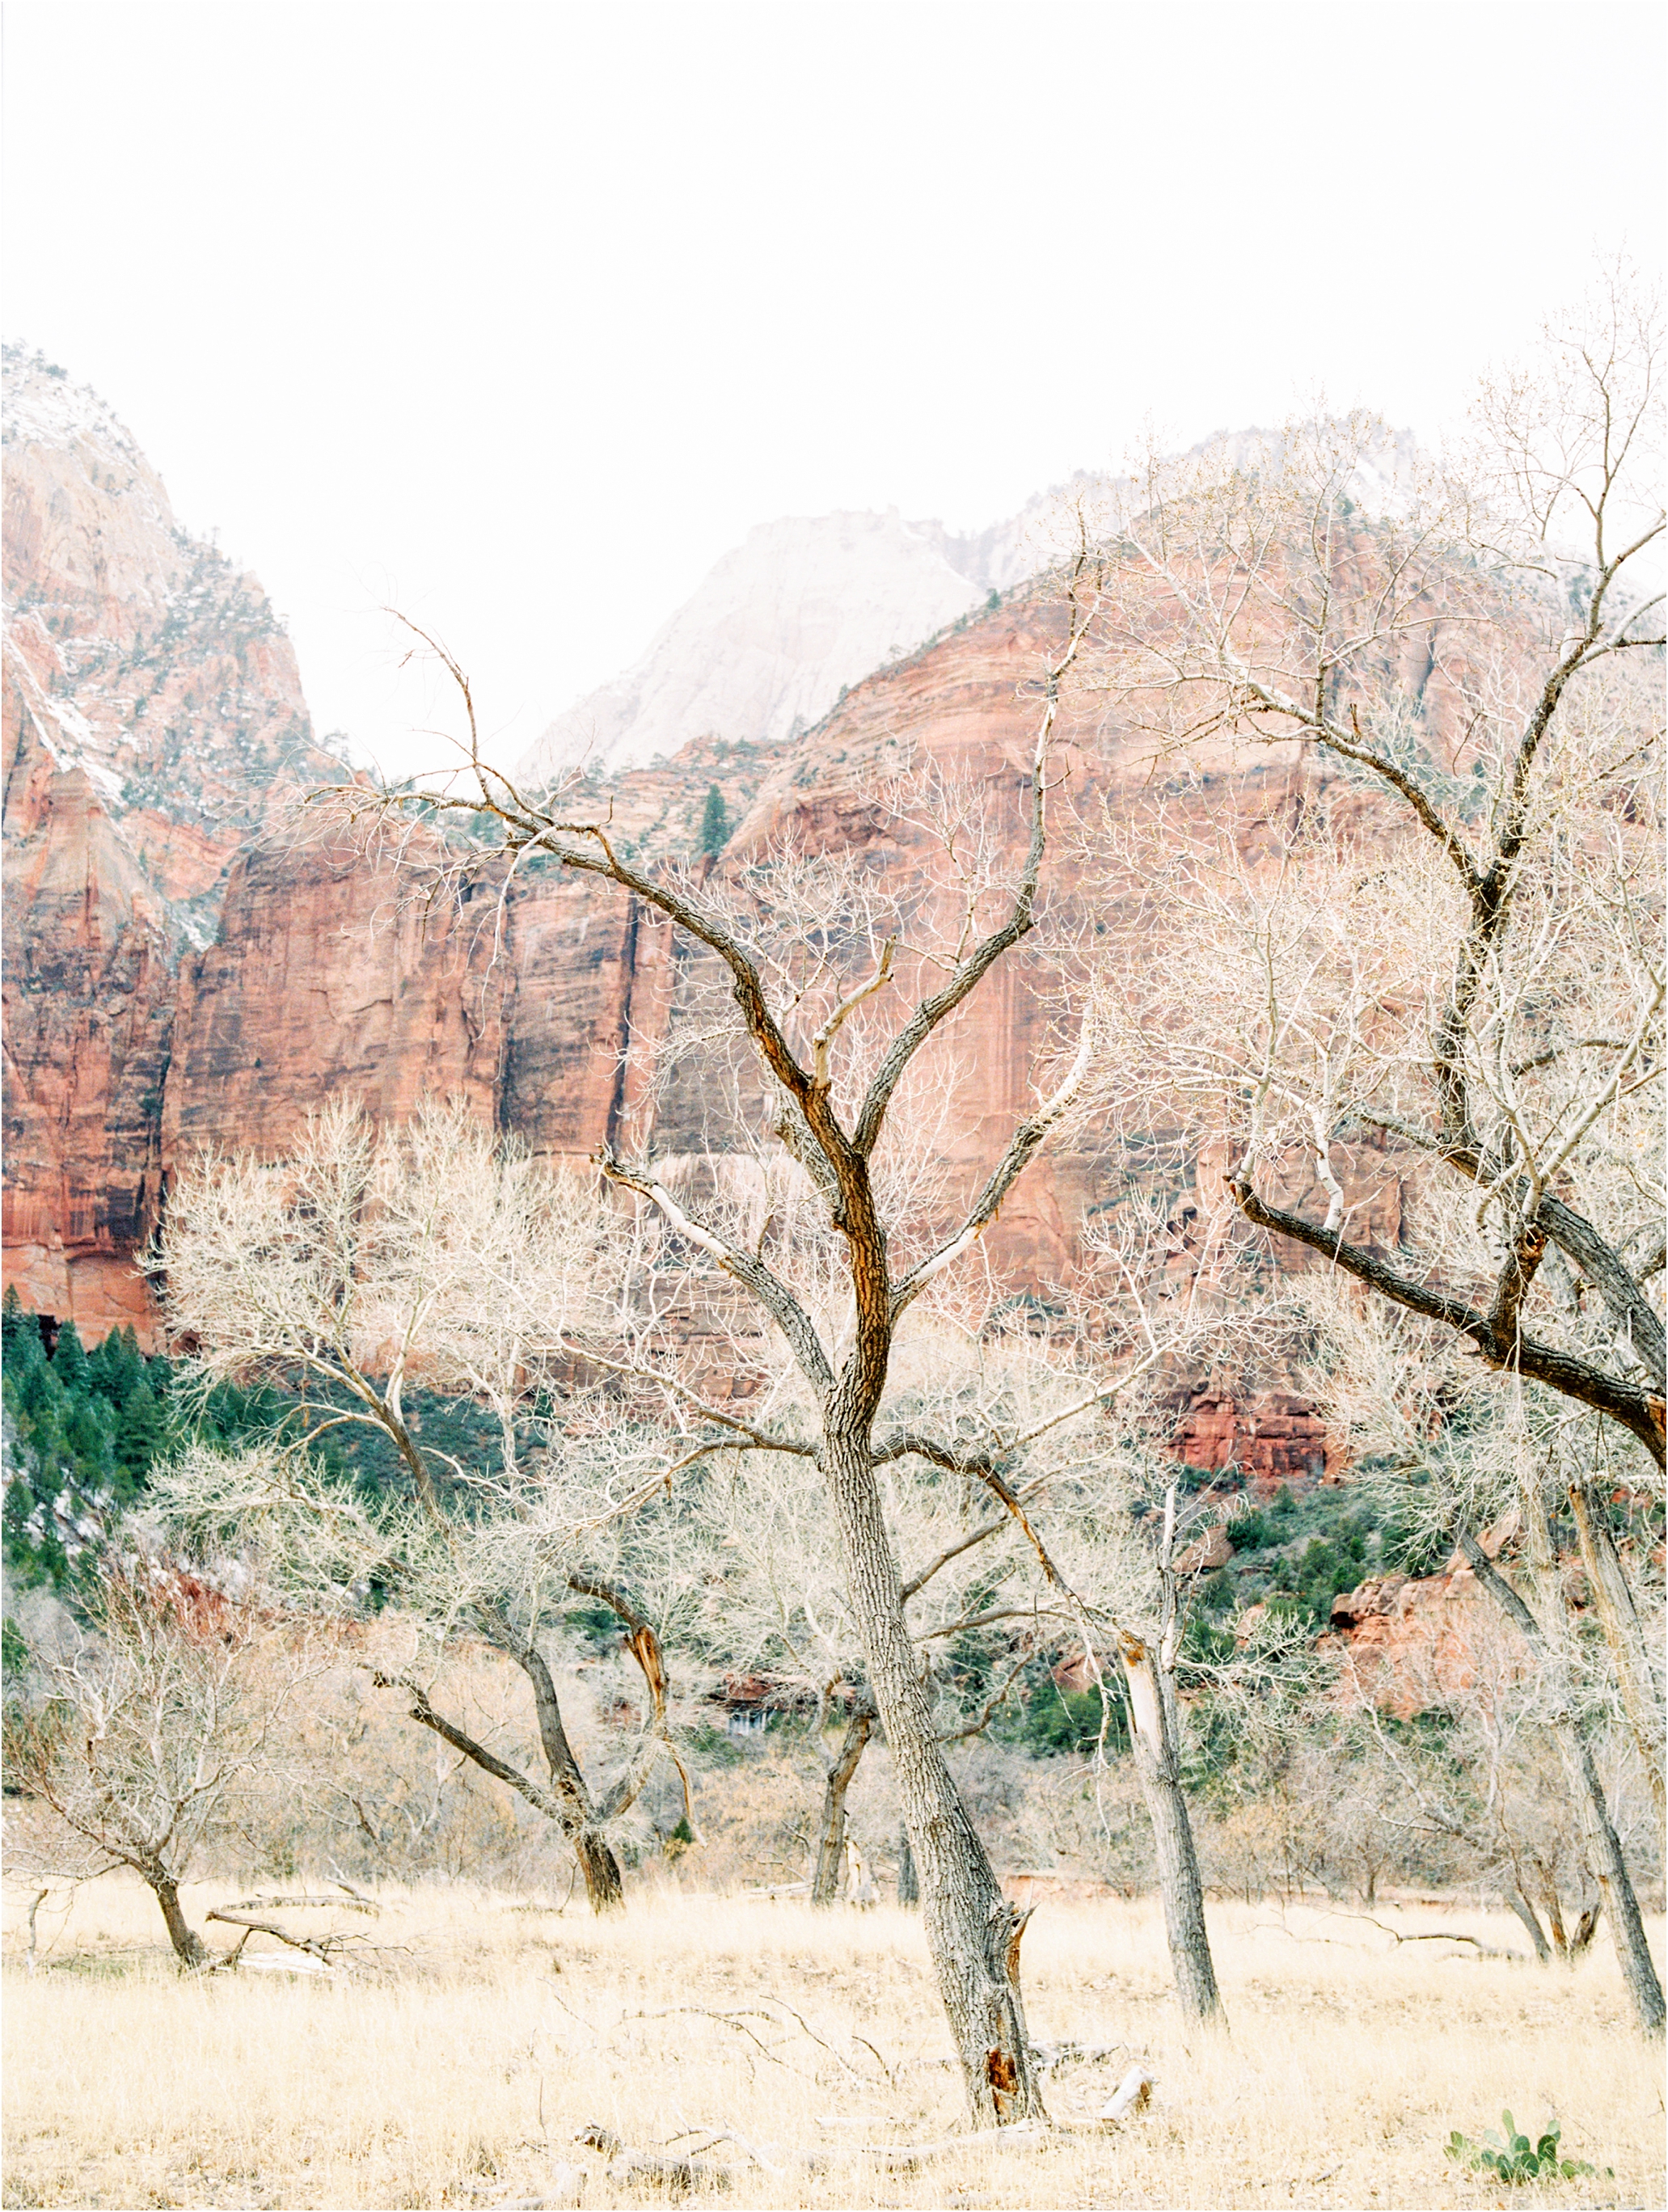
1433	925
1150	1668
1485	1783
970	1582
805	986
132	1748
367	1265
1463	1459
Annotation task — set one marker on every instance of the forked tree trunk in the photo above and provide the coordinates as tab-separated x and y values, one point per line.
830	1842
1153	1735
188	1945
572	1806
567	1800
1519	1905
972	1931
605	1889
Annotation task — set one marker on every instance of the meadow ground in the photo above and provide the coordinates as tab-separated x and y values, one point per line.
457	2065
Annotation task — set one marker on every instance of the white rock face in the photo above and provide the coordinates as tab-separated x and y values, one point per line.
802	609
811	604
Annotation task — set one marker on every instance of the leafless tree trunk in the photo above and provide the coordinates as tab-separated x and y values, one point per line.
1606	1857
972	1931
839	1772
188	1945
1642	1697
1149	1670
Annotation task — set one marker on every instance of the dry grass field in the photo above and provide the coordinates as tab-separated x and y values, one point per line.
456	2065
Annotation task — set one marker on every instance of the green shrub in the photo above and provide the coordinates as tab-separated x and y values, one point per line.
1513	2158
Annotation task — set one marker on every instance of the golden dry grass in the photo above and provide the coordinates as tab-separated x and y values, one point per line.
1349	2059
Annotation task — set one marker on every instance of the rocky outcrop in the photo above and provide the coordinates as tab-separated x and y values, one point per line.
1272	1439
780	628
1414	1643
152	719
178	974
89	1003
141	655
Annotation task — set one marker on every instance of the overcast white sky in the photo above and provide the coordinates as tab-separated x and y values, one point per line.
520	315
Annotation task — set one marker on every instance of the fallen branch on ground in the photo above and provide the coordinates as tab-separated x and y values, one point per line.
653	2169
1133	2095
317	1950
1048	2056
291	1904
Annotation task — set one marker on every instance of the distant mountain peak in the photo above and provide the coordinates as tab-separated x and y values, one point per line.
807	605
803	608
41	406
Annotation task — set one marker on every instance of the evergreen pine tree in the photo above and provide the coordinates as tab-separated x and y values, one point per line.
715	823
23	1350
117	1368
70	1358
140	1430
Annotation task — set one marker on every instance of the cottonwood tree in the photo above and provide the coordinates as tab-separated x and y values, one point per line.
806	986
1458	1458
1481	1783
1433	925
975	1603
369	1264
136	1746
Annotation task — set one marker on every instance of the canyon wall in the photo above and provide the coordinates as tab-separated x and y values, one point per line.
183	969
153	722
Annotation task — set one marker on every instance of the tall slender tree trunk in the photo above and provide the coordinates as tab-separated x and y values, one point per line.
1606	1858
973	1932
188	1945
1641	1694
1154	1733
1609	1871
600	1870
831	1842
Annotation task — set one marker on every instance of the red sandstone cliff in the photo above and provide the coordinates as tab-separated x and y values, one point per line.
152	720
174	979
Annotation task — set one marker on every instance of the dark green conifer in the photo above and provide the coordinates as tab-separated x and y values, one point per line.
70	1358
715	823
141	1430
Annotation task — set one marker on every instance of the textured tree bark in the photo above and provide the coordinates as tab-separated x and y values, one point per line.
188	1945
1153	1734
972	1931
1641	1695
830	1843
